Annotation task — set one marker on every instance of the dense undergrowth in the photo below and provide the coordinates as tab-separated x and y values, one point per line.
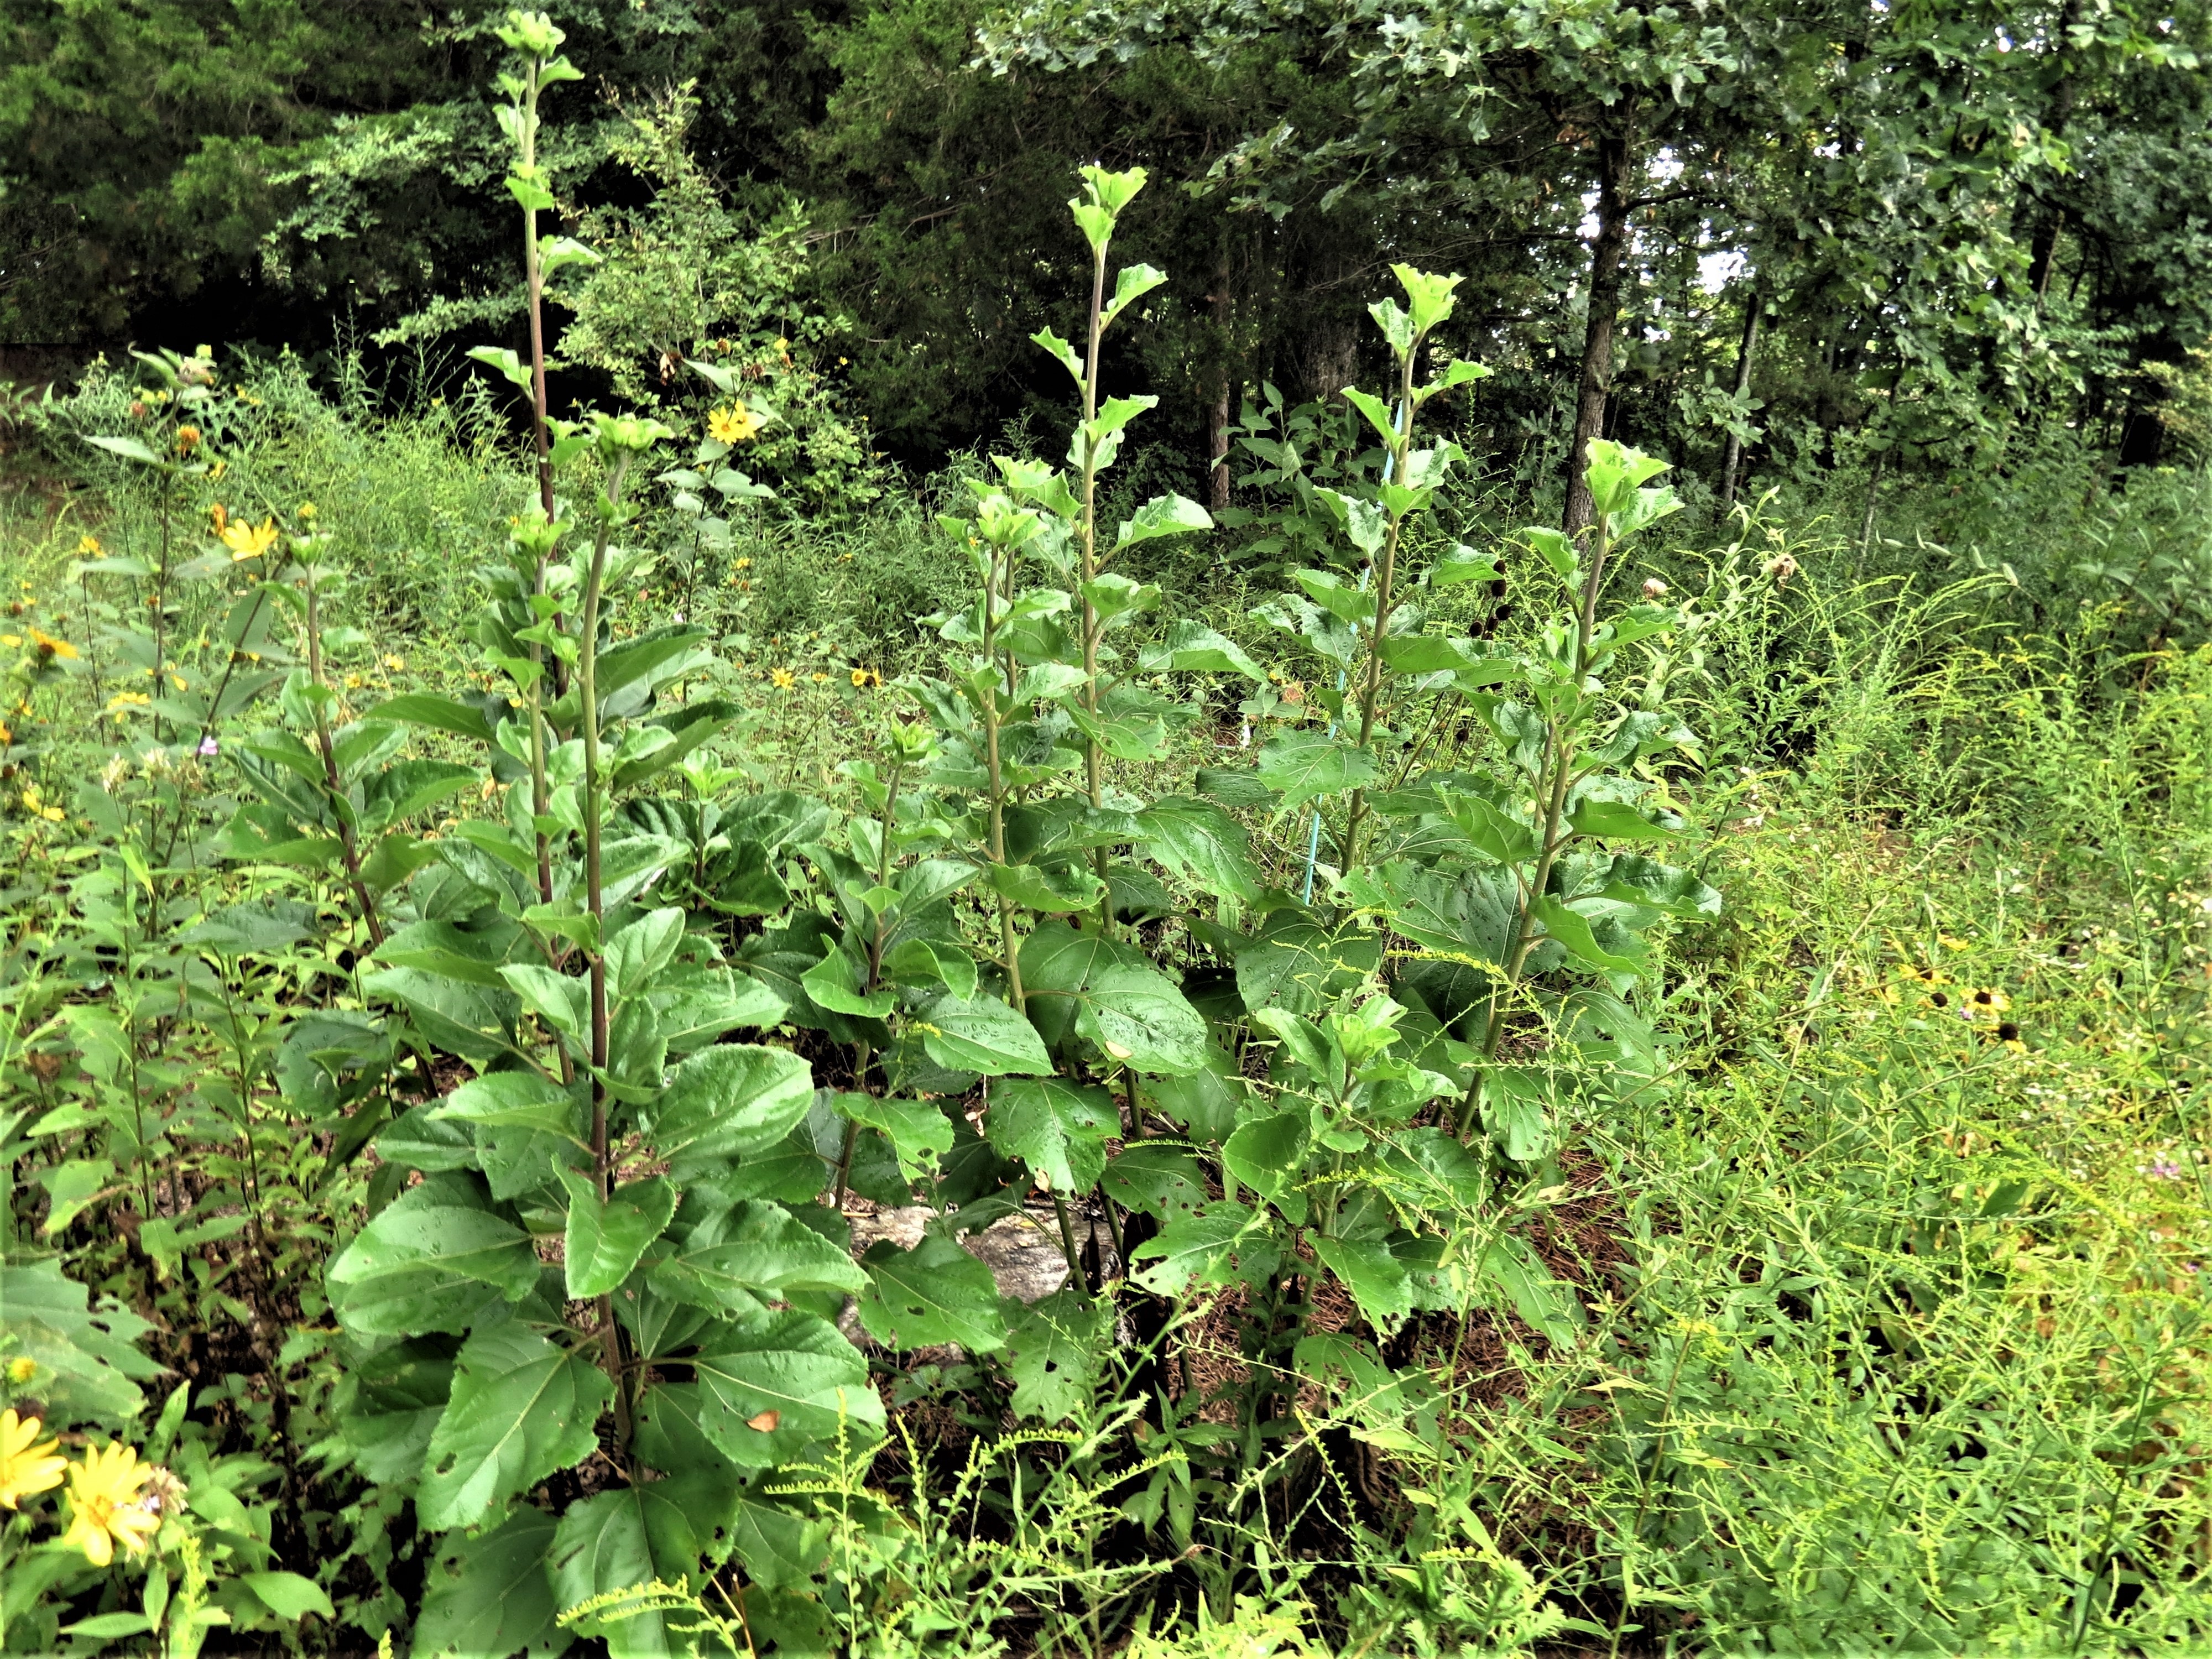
1795	1249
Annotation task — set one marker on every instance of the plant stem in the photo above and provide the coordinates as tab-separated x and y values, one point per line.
1385	573
1552	793
341	808
1093	761
594	900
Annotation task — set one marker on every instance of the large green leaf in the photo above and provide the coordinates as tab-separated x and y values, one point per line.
1057	1127
1297	965
936	1293
514	1100
1306	764
430	1261
1054	1353
728	1102
1378	1281
1120	1001
521	1408
630	1537
979	1034
756	1246
490	1594
605	1239
88	1350
397	1397
919	1133
1224	1243
776	1546
1196	838
1267	1154
769	1387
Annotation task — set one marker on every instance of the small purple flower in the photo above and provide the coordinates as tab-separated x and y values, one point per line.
2166	1170
209	749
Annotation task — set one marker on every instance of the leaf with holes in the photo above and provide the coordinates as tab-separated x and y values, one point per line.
935	1293
1057	1127
521	1408
490	1594
1224	1243
658	1531
1054	1351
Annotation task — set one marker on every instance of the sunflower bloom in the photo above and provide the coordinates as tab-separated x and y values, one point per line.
866	679
733	425
47	646
105	1508
783	679
25	1467
249	541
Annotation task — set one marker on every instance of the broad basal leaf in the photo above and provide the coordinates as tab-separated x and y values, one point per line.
605	1239
936	1293
659	1530
429	1260
771	1387
521	1408
1054	1353
1057	1127
729	1102
492	1594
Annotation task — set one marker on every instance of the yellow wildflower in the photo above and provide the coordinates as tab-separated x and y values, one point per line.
21	1369
248	541
306	512
188	437
782	679
818	677
25	1467
47	646
866	679
104	1506
733	425
1989	1001
395	662
11	640
89	546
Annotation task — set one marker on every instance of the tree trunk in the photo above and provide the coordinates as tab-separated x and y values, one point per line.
1217	420
1733	456
2043	246
1608	251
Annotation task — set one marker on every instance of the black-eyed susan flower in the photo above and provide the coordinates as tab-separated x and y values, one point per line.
106	1494
27	1465
866	679
48	647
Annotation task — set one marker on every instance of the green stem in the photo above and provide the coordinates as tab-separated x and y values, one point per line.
1093	760
594	900
1385	574
341	808
1552	793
